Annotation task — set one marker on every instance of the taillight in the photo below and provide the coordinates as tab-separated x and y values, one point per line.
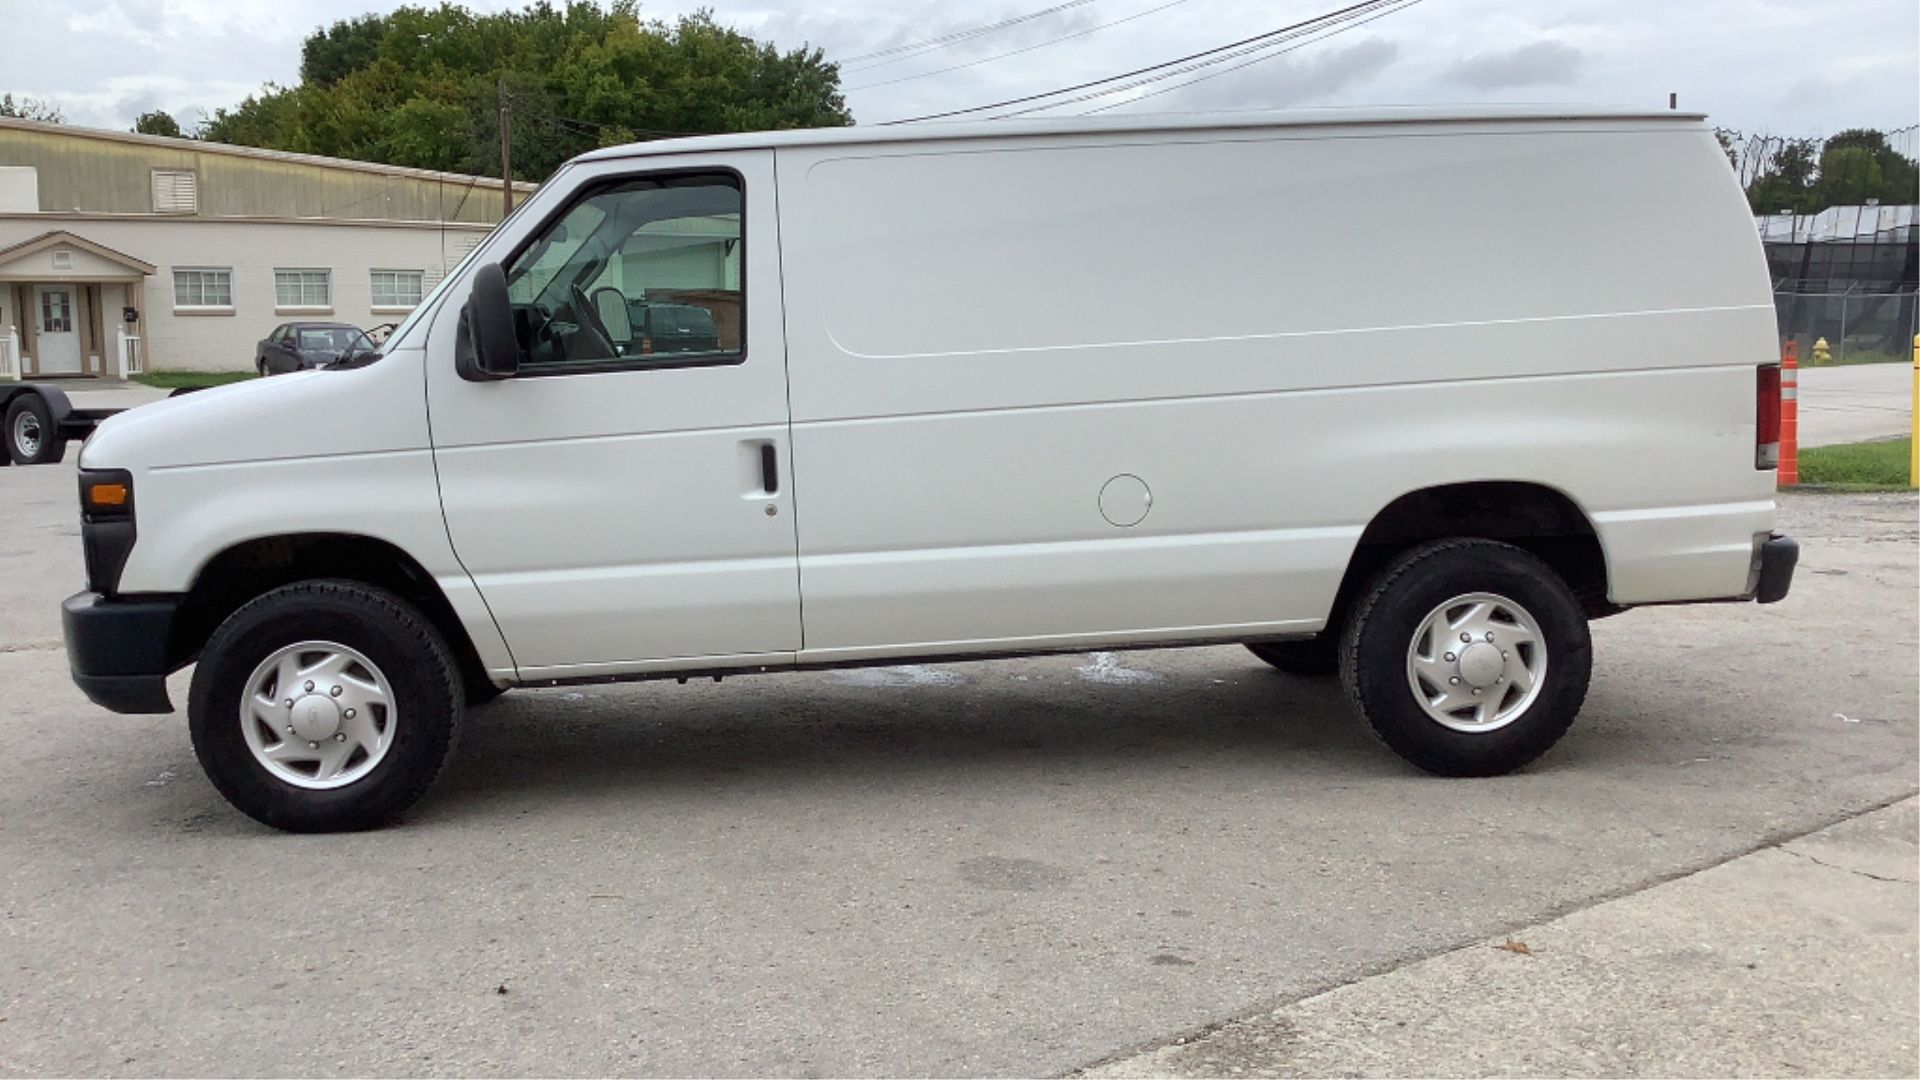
1766	428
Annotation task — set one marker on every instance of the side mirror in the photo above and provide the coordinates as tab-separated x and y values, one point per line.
486	347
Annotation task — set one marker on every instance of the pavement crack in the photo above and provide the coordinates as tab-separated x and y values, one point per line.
1848	869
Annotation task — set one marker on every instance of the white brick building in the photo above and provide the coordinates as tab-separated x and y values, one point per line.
197	250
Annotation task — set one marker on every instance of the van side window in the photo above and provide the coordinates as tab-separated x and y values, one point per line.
640	272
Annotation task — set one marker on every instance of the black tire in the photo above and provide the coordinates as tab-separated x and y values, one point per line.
425	685
28	411
1315	658
480	691
260	365
1374	655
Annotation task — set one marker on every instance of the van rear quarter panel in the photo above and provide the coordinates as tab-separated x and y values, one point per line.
1280	331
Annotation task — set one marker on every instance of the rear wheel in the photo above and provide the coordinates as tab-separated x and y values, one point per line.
32	438
324	706
1312	658
1467	657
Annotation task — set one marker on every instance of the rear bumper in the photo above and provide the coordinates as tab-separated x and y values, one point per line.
117	650
1778	556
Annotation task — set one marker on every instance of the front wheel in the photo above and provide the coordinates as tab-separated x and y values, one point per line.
324	706
1467	657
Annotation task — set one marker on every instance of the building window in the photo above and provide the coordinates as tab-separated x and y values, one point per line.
302	289
396	288
56	312
202	287
175	191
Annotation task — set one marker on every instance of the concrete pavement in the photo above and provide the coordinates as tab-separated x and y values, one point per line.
103	394
1797	959
1855	404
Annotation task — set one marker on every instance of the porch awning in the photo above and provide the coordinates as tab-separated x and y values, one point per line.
62	256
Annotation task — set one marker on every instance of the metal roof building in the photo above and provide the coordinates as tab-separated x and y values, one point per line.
121	249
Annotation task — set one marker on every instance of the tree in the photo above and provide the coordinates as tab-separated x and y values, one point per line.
1858	164
156	123
422	86
329	55
31	109
1848	169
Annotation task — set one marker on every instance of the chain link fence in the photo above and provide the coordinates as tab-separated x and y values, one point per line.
1856	327
1845	281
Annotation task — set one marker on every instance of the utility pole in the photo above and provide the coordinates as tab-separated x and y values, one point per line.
1673	100
506	153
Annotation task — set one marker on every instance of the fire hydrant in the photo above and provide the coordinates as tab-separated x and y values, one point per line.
1822	352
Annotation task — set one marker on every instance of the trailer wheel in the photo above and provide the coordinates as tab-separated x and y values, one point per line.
32	438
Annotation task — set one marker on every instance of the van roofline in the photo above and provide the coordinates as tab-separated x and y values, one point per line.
936	131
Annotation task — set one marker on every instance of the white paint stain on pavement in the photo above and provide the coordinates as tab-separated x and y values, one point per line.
1105	668
903	675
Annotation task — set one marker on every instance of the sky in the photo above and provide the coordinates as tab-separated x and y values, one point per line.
1773	66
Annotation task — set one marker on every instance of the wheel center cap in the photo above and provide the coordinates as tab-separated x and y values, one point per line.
1481	663
315	717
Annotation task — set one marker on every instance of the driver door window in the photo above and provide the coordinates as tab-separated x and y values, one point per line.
642	272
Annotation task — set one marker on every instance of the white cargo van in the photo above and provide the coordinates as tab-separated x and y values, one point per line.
1409	396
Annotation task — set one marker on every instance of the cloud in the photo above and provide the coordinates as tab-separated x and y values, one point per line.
1725	57
1543	63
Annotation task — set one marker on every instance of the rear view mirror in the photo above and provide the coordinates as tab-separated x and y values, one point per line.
486	347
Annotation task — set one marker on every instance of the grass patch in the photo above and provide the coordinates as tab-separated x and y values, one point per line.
173	380
1865	466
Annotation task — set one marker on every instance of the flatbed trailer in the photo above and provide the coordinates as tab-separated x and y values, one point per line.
39	422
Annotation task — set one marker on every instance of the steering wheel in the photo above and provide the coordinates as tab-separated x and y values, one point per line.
595	329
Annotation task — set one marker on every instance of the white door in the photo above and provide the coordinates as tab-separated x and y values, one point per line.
56	341
621	501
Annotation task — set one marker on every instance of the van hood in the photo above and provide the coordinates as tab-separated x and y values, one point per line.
316	413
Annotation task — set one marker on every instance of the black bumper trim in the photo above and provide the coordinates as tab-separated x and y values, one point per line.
1778	556
130	694
117	650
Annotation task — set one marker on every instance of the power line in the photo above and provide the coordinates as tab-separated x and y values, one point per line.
1177	61
585	127
1017	52
1327	28
957	36
1334	32
1302	35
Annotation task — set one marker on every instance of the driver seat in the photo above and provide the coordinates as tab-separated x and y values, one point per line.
611	305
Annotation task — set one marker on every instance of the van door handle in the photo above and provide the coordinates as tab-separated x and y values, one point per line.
769	469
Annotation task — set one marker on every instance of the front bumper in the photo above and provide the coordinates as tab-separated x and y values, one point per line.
1778	556
117	650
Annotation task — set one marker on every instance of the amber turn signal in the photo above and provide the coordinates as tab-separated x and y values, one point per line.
105	495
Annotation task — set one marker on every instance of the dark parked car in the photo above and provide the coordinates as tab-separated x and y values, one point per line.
298	346
672	328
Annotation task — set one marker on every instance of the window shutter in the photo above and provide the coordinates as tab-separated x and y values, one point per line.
175	191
